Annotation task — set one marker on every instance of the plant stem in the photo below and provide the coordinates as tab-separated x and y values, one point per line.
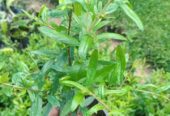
69	29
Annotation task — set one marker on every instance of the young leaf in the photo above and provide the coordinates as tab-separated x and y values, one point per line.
107	36
91	70
77	100
129	12
58	36
43	13
85	44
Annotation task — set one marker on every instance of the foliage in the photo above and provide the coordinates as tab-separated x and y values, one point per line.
153	43
64	65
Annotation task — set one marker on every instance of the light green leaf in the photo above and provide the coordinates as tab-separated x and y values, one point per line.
115	92
129	12
108	36
58	36
36	108
96	108
75	84
77	100
120	56
43	13
111	8
101	24
86	43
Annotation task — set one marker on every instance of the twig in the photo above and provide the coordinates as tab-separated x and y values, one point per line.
69	29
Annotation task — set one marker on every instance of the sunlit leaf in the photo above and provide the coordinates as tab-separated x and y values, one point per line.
36	108
91	70
77	100
58	36
85	44
129	12
109	36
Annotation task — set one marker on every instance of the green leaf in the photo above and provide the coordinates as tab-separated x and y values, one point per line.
111	8
107	36
4	78
77	8
53	101
47	109
95	109
92	66
66	109
116	92
88	101
117	74
129	12
36	108
77	100
85	44
43	13
58	36
103	72
164	88
75	84
120	56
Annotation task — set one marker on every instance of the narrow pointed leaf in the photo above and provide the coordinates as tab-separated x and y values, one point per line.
58	36
77	100
85	44
130	13
91	72
36	108
108	36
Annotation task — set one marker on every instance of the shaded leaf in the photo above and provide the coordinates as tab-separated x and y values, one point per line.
53	101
